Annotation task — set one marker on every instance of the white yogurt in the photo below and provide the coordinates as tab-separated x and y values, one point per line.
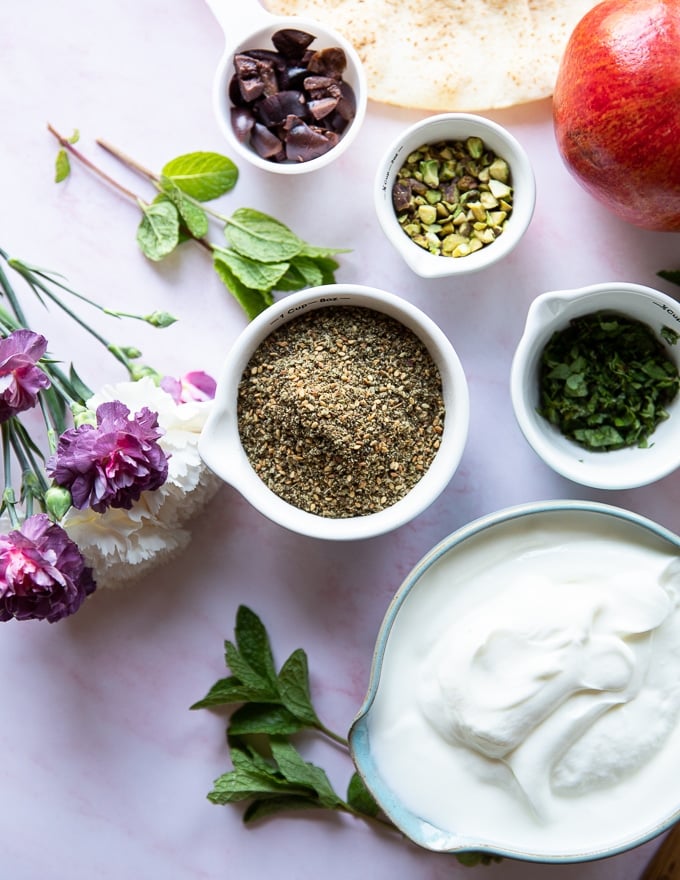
530	690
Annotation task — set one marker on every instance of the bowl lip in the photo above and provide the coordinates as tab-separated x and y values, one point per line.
542	319
225	456
431	128
416	829
266	26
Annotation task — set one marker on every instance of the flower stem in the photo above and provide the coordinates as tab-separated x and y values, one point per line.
33	280
8	290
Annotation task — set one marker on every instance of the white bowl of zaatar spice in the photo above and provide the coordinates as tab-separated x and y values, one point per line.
454	194
341	413
595	384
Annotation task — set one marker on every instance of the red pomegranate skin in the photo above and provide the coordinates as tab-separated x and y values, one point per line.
616	109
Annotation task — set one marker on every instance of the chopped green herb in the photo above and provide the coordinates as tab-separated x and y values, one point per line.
671	336
672	275
606	381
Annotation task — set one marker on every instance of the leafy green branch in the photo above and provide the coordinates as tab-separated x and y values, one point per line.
268	770
268	773
259	255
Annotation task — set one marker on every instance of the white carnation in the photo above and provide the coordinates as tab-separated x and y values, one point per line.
121	545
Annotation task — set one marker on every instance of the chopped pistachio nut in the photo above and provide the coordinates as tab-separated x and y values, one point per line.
453	197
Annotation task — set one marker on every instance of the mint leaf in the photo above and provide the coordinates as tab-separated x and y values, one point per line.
194	217
224	692
261	237
294	688
251	273
291	280
360	798
242	784
202	175
309	270
261	808
253	643
266	718
302	773
259	688
62	166
310	250
158	231
251	301
245	756
328	267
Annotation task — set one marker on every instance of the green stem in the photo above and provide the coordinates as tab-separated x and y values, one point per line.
67	145
27	272
341	740
36	284
155	179
8	322
129	161
383	821
11	296
21	446
8	497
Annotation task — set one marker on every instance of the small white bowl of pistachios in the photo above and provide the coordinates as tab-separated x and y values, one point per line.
454	194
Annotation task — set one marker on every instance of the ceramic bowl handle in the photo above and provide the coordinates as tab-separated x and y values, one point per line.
237	24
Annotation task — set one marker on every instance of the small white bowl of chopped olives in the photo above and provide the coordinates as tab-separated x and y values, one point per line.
341	413
595	384
289	94
454	194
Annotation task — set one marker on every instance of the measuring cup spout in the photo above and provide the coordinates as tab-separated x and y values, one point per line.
238	23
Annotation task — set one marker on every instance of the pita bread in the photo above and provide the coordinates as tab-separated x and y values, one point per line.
451	55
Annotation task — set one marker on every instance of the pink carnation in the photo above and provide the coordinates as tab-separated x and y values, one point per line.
20	378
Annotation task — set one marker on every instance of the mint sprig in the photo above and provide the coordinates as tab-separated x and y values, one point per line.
268	771
269	774
259	255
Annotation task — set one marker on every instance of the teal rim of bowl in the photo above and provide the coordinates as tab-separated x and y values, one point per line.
419	830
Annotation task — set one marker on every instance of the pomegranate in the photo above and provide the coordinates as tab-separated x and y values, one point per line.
616	109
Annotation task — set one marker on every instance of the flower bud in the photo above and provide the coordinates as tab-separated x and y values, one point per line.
82	415
160	319
137	373
57	501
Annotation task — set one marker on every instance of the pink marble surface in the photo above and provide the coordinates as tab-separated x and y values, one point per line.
105	770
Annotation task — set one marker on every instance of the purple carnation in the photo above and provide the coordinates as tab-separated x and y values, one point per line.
20	378
43	575
112	463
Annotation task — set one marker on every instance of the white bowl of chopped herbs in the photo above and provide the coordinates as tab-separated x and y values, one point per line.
595	384
454	194
341	413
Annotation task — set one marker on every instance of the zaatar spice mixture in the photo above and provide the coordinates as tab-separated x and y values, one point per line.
340	411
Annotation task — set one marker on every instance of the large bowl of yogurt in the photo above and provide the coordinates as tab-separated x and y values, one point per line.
524	698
